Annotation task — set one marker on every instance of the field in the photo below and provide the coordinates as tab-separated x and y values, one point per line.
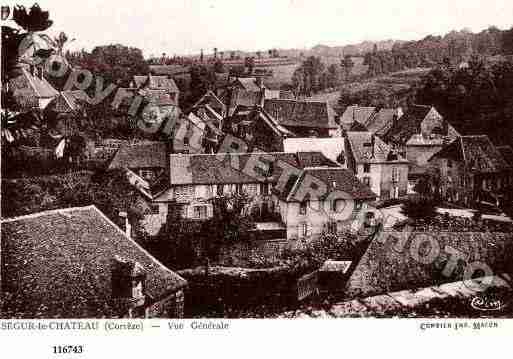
398	83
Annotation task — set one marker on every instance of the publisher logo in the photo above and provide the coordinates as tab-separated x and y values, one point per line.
487	303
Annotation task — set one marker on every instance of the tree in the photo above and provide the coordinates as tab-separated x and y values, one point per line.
114	63
419	208
33	20
249	62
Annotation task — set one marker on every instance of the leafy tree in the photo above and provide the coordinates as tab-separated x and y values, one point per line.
419	208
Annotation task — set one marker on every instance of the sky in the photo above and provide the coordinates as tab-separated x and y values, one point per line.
185	27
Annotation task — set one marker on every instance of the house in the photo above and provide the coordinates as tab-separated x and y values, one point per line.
377	165
147	159
30	89
243	91
418	120
161	87
381	122
344	200
66	112
507	154
420	133
355	116
76	263
259	130
471	168
331	147
304	118
194	180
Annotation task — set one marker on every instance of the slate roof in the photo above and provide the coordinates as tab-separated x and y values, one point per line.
246	112
382	121
69	101
358	114
383	268
293	113
478	153
140	155
208	98
28	89
156	82
230	168
248	83
56	264
409	125
507	154
336	179
365	154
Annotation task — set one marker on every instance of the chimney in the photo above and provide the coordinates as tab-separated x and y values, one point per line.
373	142
128	284
128	226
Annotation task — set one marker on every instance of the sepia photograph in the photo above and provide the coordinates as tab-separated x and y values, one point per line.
218	160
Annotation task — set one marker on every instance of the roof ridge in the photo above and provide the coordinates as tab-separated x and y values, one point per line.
131	240
44	213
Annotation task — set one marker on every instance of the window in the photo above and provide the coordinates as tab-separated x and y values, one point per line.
367	181
302	207
366	167
395	174
304	229
200	212
239	188
186	141
219	189
337	205
264	188
146	174
358	205
332	227
154	208
449	163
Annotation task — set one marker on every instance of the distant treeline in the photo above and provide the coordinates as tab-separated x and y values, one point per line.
454	47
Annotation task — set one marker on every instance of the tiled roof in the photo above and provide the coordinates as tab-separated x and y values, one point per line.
478	153
27	89
248	83
58	264
410	124
336	179
383	268
156	82
247	112
358	114
230	168
481	155
507	154
140	155
292	113
363	151
381	122
69	101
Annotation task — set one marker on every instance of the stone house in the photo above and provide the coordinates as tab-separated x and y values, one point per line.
356	115
162	87
331	147
304	118
377	165
470	169
31	91
417	135
76	263
344	201
194	180
258	129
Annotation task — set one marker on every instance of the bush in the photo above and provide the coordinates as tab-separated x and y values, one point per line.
419	208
